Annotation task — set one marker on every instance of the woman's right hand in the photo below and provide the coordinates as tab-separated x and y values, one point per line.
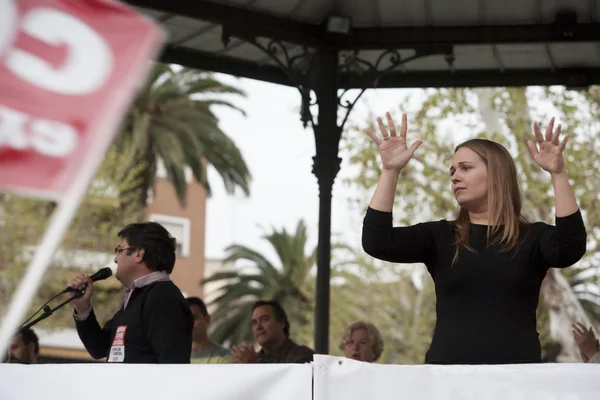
393	150
82	282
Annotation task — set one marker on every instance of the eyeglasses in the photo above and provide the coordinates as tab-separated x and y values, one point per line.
119	249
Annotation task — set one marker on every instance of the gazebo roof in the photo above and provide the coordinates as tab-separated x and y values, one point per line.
458	43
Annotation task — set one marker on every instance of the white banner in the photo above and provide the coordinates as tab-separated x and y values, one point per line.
155	382
335	378
338	378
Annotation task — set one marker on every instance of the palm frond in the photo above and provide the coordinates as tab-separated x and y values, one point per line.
285	281
172	118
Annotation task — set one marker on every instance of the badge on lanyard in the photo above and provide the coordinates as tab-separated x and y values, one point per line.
117	350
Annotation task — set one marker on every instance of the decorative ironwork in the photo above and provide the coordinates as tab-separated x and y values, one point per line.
290	65
307	101
348	105
275	48
297	69
293	68
356	65
353	64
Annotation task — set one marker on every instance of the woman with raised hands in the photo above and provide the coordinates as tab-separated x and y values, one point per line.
488	263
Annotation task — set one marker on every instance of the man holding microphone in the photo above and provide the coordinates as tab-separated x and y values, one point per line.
154	324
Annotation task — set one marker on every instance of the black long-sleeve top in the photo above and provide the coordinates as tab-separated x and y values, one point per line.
158	325
486	302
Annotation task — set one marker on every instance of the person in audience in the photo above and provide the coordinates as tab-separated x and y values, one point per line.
204	350
271	330
362	341
589	347
24	347
489	262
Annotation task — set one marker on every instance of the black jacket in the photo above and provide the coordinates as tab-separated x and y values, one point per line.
287	353
158	329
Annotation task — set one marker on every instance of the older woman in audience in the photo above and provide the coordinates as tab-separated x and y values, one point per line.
362	341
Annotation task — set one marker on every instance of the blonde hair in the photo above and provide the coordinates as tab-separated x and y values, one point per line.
374	335
504	199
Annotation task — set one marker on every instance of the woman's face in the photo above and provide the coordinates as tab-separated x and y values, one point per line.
469	180
359	346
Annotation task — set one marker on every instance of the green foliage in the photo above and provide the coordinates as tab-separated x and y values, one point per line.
291	281
172	120
87	245
258	278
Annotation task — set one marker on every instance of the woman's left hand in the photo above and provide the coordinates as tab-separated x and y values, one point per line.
586	340
550	153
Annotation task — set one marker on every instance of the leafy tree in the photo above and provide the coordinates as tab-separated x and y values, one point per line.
286	280
172	121
291	281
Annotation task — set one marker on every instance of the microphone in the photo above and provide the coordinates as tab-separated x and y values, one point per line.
100	275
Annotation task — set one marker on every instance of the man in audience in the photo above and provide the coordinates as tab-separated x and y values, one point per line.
24	348
204	351
271	330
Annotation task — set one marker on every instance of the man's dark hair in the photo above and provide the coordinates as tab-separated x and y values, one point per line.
29	337
197	301
278	312
157	242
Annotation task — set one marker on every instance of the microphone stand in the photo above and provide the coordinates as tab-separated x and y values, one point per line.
49	311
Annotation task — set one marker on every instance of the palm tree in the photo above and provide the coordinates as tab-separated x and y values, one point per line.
285	281
172	121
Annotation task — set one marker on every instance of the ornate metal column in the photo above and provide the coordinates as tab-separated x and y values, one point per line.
326	165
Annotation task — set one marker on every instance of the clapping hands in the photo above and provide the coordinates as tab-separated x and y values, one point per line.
244	354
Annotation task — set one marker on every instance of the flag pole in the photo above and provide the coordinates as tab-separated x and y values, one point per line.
58	225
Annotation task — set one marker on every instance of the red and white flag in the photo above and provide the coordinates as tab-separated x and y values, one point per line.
68	72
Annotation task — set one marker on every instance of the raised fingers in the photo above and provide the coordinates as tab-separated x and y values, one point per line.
391	125
549	130
563	144
372	135
532	149
404	126
389	130
555	135
538	133
414	147
382	128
